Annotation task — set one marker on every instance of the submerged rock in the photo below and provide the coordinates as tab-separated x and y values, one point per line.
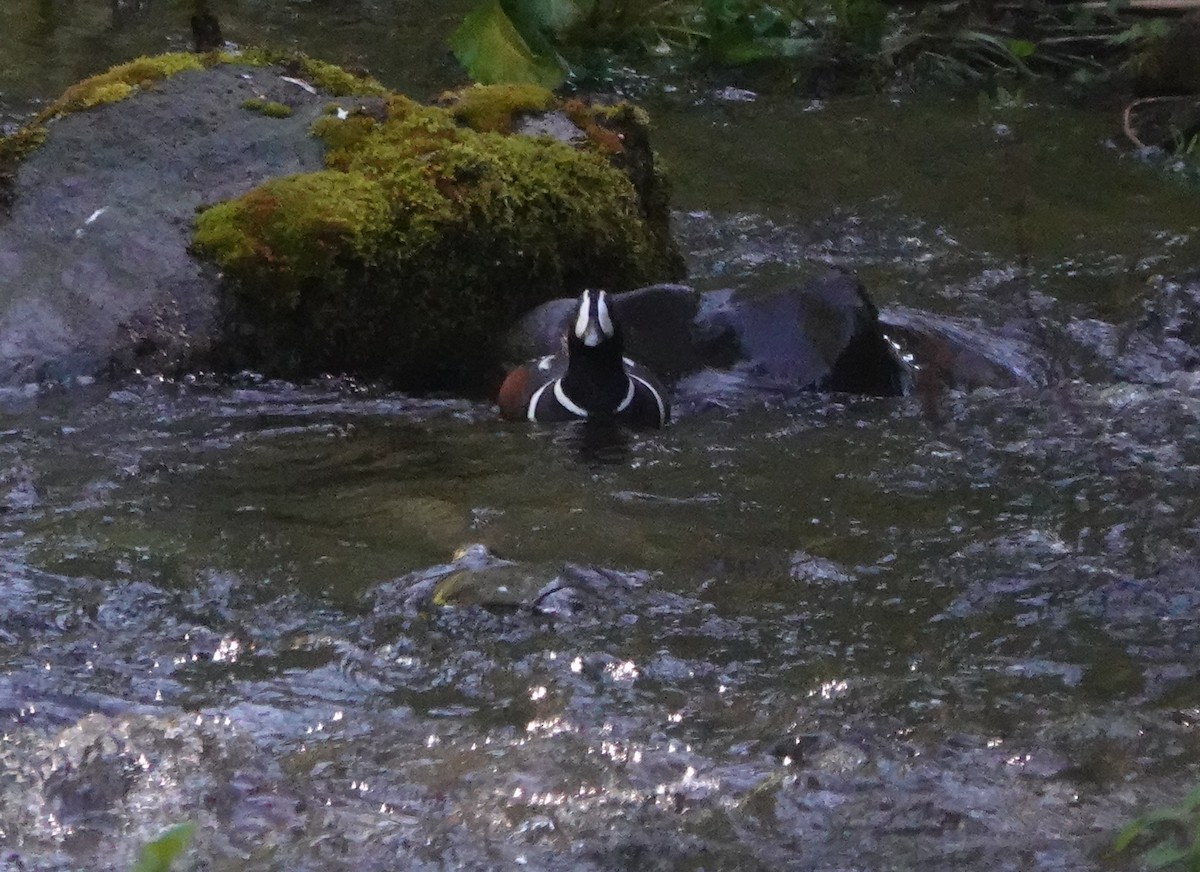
823	335
960	354
476	577
361	232
1155	346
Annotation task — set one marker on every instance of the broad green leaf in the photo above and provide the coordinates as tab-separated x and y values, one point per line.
1164	855
551	16
865	22
792	47
1192	800
1158	28
1128	833
157	856
492	51
1021	48
1172	814
736	46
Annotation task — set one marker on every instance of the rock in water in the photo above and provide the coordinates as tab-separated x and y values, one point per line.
824	335
341	227
95	273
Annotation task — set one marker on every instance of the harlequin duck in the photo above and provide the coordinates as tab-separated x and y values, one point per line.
591	381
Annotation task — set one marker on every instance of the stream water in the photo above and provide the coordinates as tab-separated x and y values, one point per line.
805	632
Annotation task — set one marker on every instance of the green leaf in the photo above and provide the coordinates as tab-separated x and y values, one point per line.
1021	48
157	856
1165	855
865	22
735	44
493	51
1128	833
550	16
1192	800
1172	814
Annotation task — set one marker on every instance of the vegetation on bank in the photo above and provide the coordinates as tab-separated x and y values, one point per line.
1146	49
547	41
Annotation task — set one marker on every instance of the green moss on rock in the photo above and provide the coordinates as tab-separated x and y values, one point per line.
19	144
293	230
493	108
328	77
118	83
428	232
267	107
126	79
437	238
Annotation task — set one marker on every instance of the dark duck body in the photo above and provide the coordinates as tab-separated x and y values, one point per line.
591	381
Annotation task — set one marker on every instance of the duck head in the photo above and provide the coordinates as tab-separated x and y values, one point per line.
593	331
595	377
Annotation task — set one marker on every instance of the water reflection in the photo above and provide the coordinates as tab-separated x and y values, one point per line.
595	443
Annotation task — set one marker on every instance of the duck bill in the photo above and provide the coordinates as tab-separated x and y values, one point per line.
593	323
591	334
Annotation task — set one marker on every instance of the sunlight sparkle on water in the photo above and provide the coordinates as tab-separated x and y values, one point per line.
227	651
625	671
549	727
831	689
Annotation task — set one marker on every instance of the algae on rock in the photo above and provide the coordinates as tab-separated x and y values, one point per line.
423	240
428	231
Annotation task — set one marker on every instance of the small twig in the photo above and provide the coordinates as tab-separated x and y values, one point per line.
1127	121
1127	116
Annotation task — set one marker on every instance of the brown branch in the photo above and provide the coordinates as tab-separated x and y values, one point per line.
1127	115
1127	122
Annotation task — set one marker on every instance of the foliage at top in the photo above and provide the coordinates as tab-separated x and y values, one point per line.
545	42
541	41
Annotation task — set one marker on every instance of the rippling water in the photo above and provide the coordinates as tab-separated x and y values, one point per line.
954	640
791	632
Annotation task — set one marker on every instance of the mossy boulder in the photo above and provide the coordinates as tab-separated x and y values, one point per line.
287	216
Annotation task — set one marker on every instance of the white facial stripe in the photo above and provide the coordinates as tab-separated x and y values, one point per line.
581	320
628	396
662	409
533	401
606	323
567	402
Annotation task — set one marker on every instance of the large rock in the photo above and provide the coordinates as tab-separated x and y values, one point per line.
361	233
823	335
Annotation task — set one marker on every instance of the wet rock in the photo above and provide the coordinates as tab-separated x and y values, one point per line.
817	570
95	249
1157	345
307	266
1168	123
1172	65
476	577
956	353
18	489
823	335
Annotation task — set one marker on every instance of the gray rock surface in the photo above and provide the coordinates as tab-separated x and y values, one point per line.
94	271
824	334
